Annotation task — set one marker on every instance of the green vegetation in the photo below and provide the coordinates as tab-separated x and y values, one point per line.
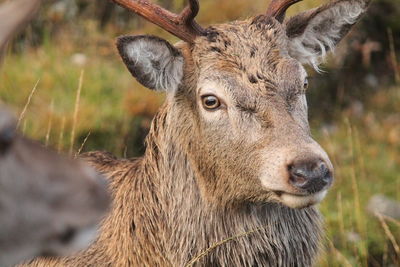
365	152
114	113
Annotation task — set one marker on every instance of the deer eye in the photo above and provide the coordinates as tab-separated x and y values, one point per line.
305	86
67	235
211	102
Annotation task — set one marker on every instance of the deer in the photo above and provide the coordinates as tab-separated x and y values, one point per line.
230	150
50	204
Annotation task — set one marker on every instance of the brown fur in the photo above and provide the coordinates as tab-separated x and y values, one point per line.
160	209
166	211
208	175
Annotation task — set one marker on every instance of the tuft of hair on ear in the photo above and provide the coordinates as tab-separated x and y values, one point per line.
312	34
153	61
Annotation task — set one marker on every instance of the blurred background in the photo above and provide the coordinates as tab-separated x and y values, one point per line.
65	71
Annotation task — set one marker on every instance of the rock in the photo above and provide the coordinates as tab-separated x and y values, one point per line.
353	237
79	59
385	206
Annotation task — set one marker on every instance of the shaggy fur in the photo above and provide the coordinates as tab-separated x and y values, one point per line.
159	217
208	175
153	60
314	33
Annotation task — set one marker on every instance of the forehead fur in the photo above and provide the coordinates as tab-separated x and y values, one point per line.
252	47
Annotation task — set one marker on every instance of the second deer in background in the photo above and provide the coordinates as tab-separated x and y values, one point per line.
49	204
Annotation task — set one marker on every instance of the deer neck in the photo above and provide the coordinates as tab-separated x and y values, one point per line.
266	234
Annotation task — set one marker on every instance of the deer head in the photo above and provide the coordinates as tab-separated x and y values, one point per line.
49	204
236	96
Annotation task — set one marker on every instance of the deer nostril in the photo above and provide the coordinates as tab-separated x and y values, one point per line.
299	172
298	176
321	167
311	175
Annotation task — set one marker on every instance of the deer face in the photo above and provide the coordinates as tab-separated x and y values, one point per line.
239	90
251	111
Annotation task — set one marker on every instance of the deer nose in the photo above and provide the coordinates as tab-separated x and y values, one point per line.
311	176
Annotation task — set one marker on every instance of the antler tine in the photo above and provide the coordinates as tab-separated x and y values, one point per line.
190	11
183	25
188	15
277	8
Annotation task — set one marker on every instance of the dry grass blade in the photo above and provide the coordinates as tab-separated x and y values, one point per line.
389	234
82	145
385	256
220	243
61	136
22	115
49	125
76	110
390	219
339	255
341	219
360	222
393	56
354	185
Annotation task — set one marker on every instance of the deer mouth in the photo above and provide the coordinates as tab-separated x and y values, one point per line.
299	201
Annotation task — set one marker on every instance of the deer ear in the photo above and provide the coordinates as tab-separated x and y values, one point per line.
314	33
154	62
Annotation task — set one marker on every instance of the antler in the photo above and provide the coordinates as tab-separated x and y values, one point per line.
277	8
183	25
13	15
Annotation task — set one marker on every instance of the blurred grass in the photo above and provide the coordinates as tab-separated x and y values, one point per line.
115	112
108	101
365	152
